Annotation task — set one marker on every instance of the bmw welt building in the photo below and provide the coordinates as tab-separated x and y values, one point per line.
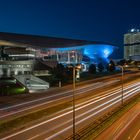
24	54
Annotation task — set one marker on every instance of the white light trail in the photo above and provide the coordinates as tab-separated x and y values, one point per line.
43	98
88	117
31	107
134	91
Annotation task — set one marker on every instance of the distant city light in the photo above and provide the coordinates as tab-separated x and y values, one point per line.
132	30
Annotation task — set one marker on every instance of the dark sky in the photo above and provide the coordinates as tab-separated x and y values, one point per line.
97	20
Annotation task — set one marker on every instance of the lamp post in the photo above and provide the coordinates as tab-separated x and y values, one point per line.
74	77
73	102
122	78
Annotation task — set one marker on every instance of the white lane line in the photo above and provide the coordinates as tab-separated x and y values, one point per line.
136	134
40	124
127	124
116	130
33	137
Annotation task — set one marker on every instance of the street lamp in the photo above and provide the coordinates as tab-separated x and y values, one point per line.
73	102
122	78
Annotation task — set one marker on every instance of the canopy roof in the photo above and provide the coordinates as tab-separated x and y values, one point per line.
22	40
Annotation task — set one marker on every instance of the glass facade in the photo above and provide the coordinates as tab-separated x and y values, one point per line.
95	52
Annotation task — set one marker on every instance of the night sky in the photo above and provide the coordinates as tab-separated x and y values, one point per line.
96	20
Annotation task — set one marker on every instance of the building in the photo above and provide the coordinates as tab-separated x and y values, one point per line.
132	45
22	54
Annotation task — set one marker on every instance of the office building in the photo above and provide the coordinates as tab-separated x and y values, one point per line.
132	45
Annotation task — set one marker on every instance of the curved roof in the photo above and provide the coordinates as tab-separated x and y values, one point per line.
22	40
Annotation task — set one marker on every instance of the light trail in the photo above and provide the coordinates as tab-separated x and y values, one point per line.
52	96
96	85
108	94
86	118
62	115
89	111
38	105
136	134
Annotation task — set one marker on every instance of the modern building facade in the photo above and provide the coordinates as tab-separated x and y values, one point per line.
20	53
132	44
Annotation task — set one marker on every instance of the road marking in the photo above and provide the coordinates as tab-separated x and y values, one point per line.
117	129
33	137
124	128
136	134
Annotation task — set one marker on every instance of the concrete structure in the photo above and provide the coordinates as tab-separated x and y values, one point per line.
10	68
132	44
32	83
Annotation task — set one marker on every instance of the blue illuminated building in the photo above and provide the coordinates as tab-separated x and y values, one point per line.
91	53
22	51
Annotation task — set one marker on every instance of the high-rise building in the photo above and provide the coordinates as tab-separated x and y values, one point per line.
132	44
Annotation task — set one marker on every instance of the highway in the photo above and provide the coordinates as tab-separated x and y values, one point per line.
127	127
132	132
51	100
20	106
59	125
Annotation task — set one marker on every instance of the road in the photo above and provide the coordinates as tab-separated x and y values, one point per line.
132	132
127	127
19	105
59	125
51	100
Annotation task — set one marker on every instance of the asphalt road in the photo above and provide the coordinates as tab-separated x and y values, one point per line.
127	127
50	100
23	104
59	126
132	131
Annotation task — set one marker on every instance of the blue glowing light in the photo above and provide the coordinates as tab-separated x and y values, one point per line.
102	51
95	52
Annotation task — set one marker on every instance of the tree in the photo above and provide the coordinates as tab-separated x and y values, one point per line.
100	67
59	71
92	69
121	62
111	66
